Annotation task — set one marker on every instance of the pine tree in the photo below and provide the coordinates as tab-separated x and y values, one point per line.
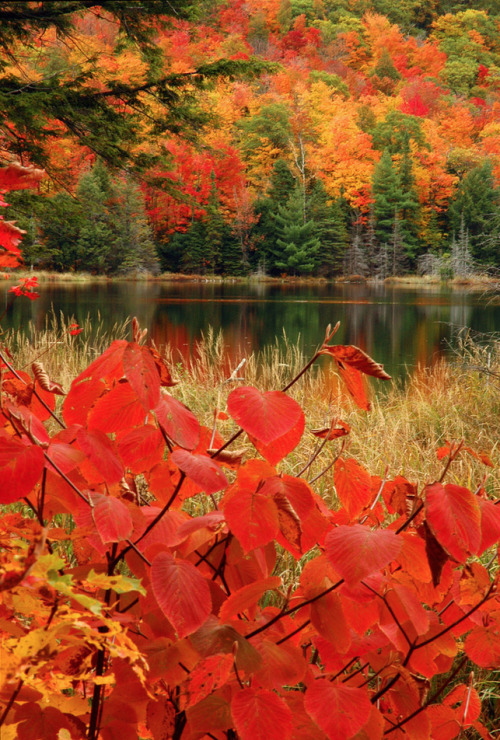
96	238
266	231
387	197
409	207
214	227
193	244
134	247
477	201
329	227
297	248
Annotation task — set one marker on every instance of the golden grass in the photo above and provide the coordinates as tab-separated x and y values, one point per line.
453	400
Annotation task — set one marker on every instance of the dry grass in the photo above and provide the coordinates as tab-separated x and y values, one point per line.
450	401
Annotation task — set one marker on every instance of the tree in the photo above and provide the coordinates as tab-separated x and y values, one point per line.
299	247
329	227
476	202
96	239
134	248
266	230
39	102
386	189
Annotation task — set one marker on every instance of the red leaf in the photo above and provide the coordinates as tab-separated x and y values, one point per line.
247	597
178	422
356	386
213	520
466	703
354	357
453	514
260	714
81	399
141	449
109	366
100	451
208	675
181	592
166	380
112	519
282	446
332	432
490	524
356	552
482	645
29	422
282	665
341	711
353	486
328	619
253	518
201	470
141	372
117	410
17	177
265	416
21	466
444	723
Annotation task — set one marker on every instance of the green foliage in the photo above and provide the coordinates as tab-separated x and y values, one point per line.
476	204
297	247
329	227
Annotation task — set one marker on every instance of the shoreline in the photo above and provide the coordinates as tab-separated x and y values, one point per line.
406	281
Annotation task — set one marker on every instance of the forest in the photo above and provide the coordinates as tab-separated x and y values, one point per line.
271	137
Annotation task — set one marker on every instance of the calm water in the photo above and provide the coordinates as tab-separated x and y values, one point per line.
398	327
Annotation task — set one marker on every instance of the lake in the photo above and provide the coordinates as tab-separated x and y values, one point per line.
400	327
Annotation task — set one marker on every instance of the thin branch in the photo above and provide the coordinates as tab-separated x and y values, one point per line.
286	612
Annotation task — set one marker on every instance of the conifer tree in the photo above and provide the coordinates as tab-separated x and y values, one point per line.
266	231
297	248
476	202
386	189
134	247
329	227
96	238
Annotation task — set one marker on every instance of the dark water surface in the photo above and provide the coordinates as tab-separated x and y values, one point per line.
399	326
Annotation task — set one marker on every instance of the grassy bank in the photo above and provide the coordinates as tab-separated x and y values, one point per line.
481	281
450	401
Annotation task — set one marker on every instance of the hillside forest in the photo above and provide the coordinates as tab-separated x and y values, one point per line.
324	137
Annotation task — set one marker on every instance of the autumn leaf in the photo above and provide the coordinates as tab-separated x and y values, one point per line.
181	592
356	552
340	711
265	416
453	515
260	714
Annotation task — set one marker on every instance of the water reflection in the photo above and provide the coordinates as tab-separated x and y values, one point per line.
399	327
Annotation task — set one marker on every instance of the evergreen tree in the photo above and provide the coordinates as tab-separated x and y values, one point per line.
329	227
476	202
215	227
134	249
60	220
266	231
386	191
96	241
409	206
297	248
193	244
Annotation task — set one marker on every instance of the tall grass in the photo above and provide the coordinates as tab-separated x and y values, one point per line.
453	400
